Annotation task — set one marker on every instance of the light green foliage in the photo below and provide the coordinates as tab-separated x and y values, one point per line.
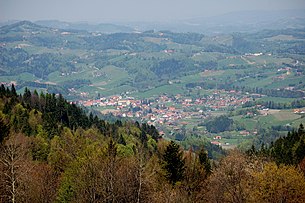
40	148
35	119
125	151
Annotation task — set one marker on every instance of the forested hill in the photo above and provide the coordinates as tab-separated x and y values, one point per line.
50	114
51	151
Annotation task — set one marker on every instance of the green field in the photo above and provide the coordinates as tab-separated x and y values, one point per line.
273	118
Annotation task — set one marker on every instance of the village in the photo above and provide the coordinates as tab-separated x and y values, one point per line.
170	111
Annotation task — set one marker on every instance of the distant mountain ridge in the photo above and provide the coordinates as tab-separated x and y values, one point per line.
102	27
253	20
242	21
21	26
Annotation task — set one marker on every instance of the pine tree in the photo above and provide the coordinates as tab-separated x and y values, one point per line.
173	163
4	126
299	153
301	129
205	161
144	138
13	91
2	91
121	140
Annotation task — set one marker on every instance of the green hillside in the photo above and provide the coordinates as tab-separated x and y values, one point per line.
42	55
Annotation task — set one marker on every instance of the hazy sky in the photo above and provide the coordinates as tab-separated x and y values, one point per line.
132	10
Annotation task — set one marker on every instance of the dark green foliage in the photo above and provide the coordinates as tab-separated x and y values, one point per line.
13	91
289	150
151	130
205	161
111	149
173	163
171	68
252	151
121	140
75	83
299	152
56	114
143	138
4	126
56	111
2	91
41	64
184	38
219	124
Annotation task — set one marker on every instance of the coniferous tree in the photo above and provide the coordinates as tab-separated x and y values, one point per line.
301	129
121	140
2	91
13	91
4	126
299	153
144	138
173	163
205	161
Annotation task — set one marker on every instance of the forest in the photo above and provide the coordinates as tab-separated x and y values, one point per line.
54	151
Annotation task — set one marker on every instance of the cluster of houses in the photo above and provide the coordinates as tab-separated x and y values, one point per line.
169	110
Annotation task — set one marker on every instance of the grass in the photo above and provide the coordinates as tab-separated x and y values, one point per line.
169	89
265	59
232	62
288	81
274	117
276	99
212	73
285	115
207	56
249	123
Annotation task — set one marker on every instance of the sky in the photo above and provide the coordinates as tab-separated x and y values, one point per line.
132	10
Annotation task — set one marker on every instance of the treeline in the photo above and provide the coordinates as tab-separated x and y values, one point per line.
288	150
85	159
272	92
299	103
255	90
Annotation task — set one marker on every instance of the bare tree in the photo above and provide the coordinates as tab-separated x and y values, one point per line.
231	179
14	167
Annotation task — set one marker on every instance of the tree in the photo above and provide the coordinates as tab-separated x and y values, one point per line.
205	161
231	180
13	91
278	184
121	140
4	126
111	169
143	138
194	177
219	124
42	182
173	163
14	166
